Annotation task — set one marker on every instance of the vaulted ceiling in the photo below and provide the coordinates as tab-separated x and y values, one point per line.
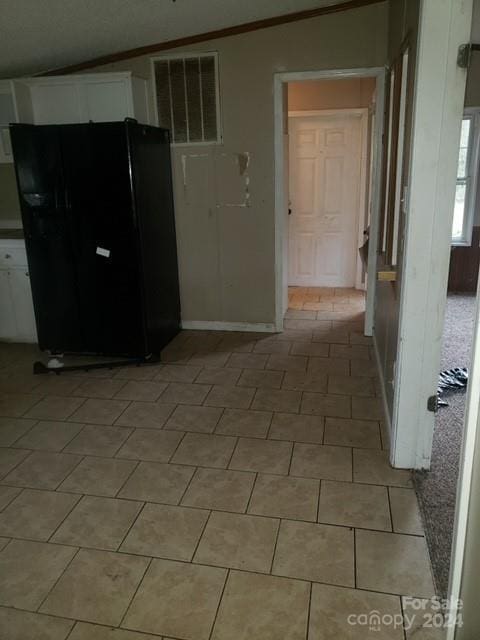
40	35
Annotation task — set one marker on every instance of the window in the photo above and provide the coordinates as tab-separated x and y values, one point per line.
463	212
187	97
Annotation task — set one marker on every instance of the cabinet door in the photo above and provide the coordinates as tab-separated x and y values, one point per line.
141	111
21	295
107	101
8	327
7	115
57	103
5	145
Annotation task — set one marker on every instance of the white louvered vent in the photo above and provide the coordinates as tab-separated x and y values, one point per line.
186	91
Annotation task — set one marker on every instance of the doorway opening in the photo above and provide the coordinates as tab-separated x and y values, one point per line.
328	149
437	487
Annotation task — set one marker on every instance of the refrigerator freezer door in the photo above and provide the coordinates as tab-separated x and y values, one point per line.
48	236
99	205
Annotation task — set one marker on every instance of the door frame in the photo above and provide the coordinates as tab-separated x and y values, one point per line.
362	113
438	110
280	80
469	450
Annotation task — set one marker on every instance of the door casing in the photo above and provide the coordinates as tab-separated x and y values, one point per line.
281	204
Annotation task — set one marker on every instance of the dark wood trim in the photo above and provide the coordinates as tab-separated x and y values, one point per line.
464	265
212	35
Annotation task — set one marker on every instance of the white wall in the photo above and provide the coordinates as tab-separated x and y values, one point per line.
352	93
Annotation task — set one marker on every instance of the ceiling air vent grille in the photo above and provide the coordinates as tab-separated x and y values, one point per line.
186	91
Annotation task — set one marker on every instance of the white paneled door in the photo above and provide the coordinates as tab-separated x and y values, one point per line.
325	199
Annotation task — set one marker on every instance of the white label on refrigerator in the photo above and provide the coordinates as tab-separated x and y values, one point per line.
103	252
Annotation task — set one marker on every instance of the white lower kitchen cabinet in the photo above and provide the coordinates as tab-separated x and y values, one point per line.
17	319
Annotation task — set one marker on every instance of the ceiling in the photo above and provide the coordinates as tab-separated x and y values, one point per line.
40	35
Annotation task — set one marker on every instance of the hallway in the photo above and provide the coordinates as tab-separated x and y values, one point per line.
239	490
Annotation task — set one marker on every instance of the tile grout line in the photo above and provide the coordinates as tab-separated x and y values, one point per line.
192	557
69	634
402	609
127	609
12	444
249	571
291	457
227	577
62	450
200	508
122	486
355	577
277	535
73	507
237	440
270	424
390	509
37	610
143	504
68	472
247	507
170	458
24	459
317	515
375	484
179	503
5	506
309	610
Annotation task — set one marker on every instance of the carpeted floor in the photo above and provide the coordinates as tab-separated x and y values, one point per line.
436	489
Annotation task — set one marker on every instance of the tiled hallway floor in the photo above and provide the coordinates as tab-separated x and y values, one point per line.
240	490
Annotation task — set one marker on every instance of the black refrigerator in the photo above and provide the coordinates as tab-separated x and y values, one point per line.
99	225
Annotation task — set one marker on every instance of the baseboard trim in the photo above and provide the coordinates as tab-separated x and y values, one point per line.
384	392
218	325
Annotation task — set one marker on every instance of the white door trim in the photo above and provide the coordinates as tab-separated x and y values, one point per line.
361	113
438	111
328	112
464	486
279	80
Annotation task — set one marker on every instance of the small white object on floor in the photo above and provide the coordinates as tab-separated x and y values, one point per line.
54	363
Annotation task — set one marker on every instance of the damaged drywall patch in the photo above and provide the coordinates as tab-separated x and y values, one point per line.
227	173
232	179
243	160
196	176
184	158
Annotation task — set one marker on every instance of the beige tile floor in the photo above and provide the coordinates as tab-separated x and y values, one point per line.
239	490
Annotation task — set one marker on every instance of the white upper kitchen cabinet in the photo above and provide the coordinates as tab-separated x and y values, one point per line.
96	97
